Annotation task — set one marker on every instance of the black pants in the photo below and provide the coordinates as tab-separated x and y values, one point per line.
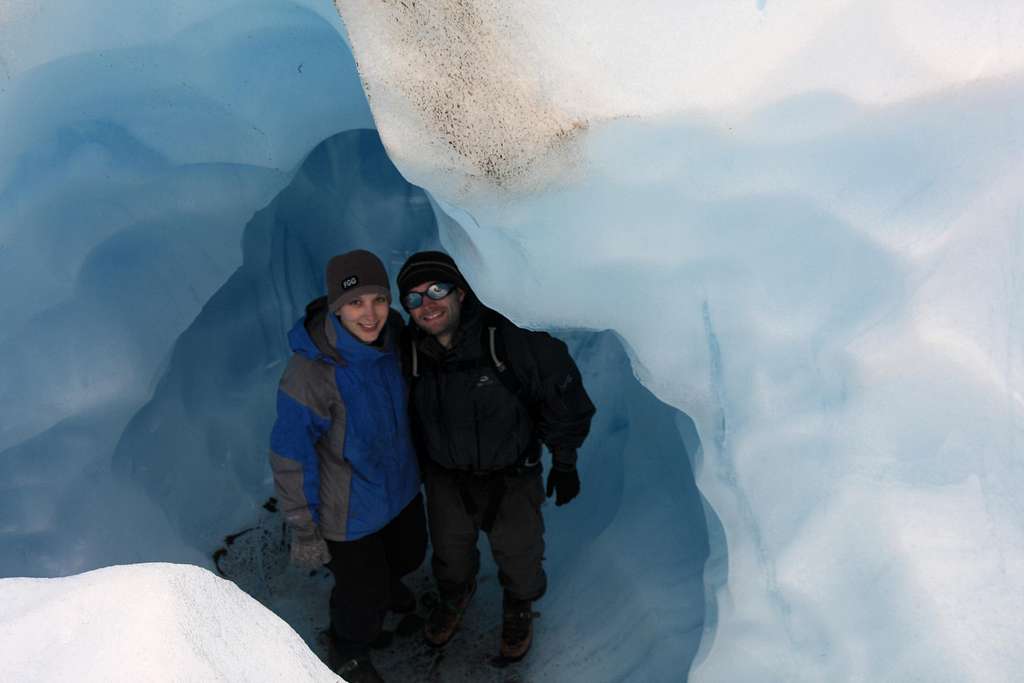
516	536
366	572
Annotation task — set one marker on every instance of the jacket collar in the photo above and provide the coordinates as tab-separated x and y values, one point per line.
353	350
320	336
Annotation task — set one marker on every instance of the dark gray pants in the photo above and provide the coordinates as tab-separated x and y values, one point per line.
516	536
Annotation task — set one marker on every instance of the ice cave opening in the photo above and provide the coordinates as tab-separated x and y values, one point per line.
626	563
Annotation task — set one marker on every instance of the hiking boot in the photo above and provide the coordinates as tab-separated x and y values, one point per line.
359	670
444	620
516	628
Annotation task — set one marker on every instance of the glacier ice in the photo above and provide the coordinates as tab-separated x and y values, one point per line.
802	219
173	459
139	140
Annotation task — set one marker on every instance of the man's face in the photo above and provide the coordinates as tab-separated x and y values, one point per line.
439	318
365	316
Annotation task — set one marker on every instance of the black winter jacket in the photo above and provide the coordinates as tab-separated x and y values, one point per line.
466	417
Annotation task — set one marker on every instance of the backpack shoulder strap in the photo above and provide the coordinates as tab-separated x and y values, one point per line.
493	342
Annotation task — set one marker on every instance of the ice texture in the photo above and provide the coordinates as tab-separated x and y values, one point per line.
804	220
148	622
170	475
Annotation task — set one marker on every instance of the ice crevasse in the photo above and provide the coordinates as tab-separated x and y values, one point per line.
804	219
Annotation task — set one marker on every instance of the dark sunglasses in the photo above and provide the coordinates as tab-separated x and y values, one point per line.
436	291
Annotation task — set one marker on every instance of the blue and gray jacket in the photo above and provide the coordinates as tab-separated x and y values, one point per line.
340	449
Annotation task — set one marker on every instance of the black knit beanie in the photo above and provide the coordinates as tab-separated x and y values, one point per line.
429	266
352	274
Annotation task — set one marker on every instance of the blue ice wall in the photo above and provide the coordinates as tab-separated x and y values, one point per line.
138	141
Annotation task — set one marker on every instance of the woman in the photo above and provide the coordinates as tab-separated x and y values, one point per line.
343	461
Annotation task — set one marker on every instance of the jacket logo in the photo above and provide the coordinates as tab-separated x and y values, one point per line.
349	282
484	381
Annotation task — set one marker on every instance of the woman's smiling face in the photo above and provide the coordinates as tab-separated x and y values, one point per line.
365	316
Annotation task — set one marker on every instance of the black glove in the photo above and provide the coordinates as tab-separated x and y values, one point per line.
564	481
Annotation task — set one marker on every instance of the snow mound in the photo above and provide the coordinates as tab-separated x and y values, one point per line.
151	622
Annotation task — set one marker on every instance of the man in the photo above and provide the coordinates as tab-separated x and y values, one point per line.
343	460
484	395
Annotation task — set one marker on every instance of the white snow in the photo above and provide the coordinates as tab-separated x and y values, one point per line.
146	622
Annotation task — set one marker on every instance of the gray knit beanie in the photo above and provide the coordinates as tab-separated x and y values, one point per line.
352	274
